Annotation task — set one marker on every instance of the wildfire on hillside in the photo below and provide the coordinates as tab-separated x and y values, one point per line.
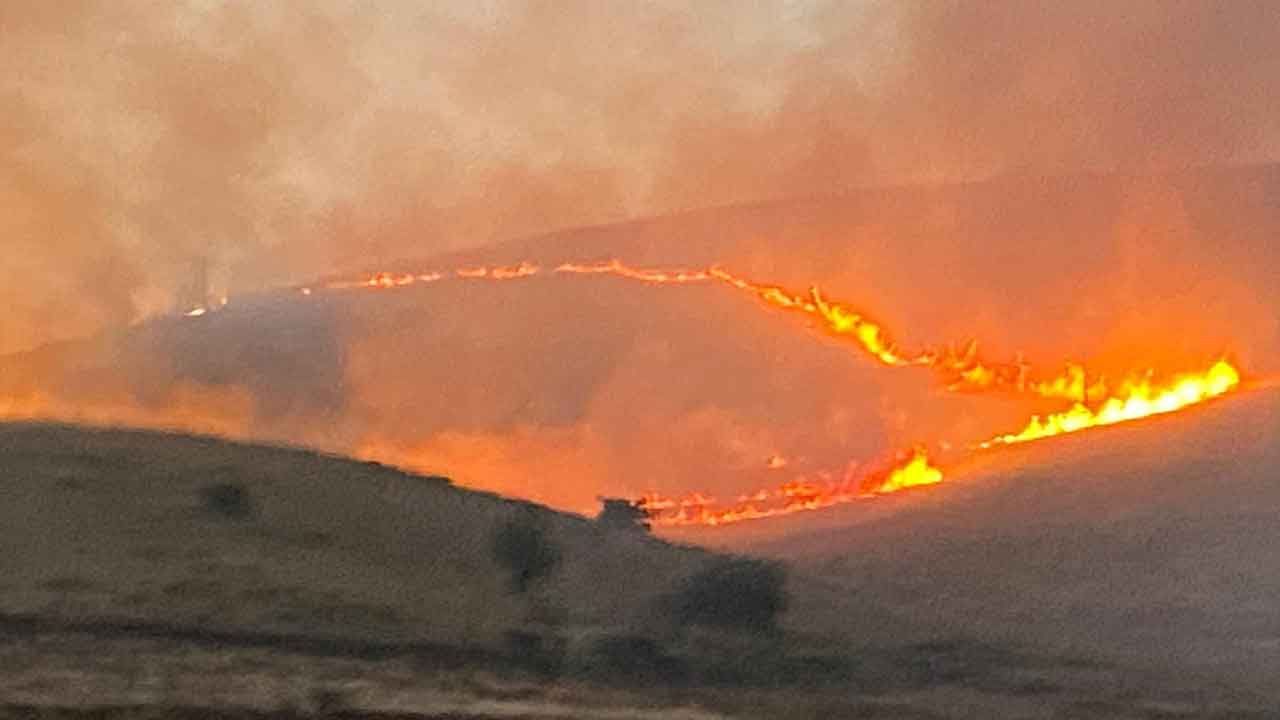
1095	401
910	470
1135	398
961	368
1090	400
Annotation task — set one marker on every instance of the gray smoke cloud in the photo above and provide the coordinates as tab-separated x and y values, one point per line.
282	140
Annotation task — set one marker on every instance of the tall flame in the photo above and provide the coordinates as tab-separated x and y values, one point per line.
1137	398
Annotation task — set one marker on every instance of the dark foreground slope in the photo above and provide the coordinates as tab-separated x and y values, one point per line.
128	527
1156	542
341	583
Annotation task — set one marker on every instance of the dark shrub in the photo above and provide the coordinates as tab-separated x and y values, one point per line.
632	659
733	594
537	652
521	546
619	514
228	500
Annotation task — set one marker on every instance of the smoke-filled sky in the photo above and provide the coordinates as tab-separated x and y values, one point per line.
280	142
283	140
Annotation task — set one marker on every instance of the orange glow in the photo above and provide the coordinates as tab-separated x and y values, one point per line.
961	370
794	496
1094	401
837	319
915	473
187	408
1137	398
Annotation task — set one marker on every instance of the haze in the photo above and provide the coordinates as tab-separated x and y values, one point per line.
281	142
380	359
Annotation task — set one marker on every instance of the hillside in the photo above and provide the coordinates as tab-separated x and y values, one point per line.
360	583
1156	543
560	389
115	525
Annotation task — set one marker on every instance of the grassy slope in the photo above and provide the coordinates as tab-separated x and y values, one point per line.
111	524
1157	543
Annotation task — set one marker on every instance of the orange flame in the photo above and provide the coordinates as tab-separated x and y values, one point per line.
1096	404
798	495
915	473
1138	398
960	369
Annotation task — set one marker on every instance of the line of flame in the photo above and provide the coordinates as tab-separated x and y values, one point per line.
800	495
961	368
1095	405
1136	399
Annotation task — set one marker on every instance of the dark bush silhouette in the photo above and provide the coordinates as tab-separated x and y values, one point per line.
619	514
538	652
228	500
733	594
521	546
634	658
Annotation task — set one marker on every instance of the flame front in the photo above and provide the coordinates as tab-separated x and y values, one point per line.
961	369
1095	401
798	495
1136	399
915	473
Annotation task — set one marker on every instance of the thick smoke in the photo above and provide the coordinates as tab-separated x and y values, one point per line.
279	142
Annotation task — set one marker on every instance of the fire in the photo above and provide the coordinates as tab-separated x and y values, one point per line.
961	368
1095	401
794	496
1137	398
915	473
837	319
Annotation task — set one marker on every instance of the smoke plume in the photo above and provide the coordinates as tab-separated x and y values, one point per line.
278	142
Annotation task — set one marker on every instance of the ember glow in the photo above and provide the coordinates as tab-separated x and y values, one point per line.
1011	172
799	495
961	368
1096	401
1135	399
914	473
1089	400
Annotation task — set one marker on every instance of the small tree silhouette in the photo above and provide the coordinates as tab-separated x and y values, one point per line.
733	594
620	514
521	546
228	500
